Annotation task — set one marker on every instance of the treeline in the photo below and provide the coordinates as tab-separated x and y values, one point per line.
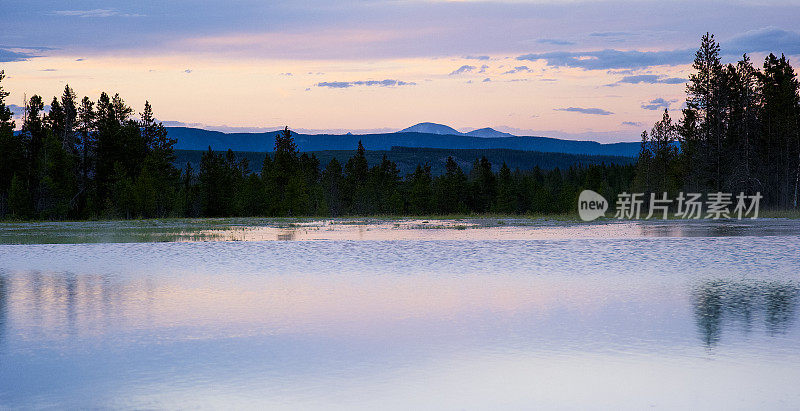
85	159
291	184
740	132
407	158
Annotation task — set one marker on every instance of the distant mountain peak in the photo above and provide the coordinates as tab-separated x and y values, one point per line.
488	132
431	128
441	129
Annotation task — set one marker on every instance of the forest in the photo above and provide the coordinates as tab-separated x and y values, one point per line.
739	131
407	158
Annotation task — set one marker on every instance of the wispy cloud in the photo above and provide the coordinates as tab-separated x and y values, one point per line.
658	104
96	13
648	79
8	56
633	124
518	69
463	69
587	110
429	29
611	59
770	39
610	34
369	83
556	42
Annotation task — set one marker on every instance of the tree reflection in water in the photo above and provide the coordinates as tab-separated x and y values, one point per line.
742	304
3	307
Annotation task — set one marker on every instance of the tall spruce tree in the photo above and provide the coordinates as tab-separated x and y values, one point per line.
12	150
743	127
663	137
780	135
702	140
332	186
285	167
356	172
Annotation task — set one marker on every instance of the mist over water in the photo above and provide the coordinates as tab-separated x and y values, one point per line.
670	314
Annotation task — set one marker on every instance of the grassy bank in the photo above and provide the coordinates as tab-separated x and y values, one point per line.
487	218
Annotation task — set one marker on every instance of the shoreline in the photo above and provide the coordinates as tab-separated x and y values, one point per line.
563	217
381	229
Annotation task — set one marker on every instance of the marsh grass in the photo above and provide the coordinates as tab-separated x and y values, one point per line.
243	228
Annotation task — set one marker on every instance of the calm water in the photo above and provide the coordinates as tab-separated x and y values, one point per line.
467	316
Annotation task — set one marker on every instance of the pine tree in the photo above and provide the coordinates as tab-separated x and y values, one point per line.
506	193
420	196
332	185
87	147
284	167
385	182
212	179
643	181
34	130
12	149
663	137
451	189
158	177
19	201
483	185
704	107
66	133
6	119
780	136
356	174
742	126
190	206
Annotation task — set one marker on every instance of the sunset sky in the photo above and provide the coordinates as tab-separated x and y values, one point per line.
601	70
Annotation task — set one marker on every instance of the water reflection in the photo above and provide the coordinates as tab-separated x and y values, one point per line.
65	305
738	304
713	228
365	323
3	307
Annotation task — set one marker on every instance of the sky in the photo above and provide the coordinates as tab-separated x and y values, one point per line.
578	69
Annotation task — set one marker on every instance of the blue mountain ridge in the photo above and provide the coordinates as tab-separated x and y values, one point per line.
199	139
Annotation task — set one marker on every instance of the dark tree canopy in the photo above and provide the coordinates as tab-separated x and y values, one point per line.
740	132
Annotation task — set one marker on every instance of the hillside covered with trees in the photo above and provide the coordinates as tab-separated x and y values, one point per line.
739	132
199	139
407	158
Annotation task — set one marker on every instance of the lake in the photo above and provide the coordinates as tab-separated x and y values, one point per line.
400	314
